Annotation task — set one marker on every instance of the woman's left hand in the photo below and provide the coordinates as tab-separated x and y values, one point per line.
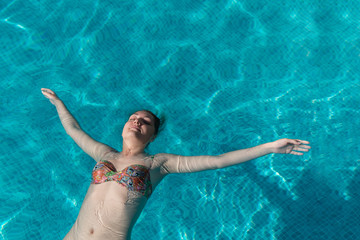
290	146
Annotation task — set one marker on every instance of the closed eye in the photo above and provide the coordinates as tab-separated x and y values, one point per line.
141	120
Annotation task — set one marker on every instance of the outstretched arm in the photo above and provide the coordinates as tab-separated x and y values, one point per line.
96	150
183	164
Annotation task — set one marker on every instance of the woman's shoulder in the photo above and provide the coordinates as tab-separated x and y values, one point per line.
164	156
159	162
161	159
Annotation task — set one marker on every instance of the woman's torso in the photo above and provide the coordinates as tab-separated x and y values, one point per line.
114	202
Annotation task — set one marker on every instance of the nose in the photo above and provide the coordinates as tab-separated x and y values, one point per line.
136	121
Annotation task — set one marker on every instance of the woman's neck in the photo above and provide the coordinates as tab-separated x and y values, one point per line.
130	151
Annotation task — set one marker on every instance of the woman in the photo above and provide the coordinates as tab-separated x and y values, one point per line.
124	180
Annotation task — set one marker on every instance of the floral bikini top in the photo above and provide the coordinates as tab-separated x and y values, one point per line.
134	177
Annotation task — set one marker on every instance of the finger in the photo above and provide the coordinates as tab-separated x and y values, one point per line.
46	94
305	147
46	90
294	141
302	141
296	153
301	149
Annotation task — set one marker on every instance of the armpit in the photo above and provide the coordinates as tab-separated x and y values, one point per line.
159	161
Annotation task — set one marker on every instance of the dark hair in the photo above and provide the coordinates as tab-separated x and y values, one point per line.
157	121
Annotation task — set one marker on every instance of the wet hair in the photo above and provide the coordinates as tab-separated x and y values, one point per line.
157	121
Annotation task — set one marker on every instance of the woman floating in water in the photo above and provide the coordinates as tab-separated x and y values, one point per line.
122	181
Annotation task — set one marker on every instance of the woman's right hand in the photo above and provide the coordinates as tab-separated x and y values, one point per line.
49	94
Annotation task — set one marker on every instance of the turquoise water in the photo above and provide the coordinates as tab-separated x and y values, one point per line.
225	74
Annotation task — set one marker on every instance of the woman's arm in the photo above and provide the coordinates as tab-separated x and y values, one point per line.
182	164
93	148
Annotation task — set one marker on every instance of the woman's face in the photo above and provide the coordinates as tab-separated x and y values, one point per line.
140	125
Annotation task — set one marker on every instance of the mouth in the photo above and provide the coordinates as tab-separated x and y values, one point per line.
136	128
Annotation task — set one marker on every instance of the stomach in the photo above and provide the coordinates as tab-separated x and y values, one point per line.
109	211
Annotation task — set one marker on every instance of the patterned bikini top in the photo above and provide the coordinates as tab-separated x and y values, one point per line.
134	177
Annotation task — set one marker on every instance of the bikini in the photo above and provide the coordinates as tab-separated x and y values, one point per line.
135	177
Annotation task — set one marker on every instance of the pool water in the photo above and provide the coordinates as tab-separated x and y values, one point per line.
226	75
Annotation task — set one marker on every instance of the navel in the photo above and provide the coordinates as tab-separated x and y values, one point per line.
91	231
